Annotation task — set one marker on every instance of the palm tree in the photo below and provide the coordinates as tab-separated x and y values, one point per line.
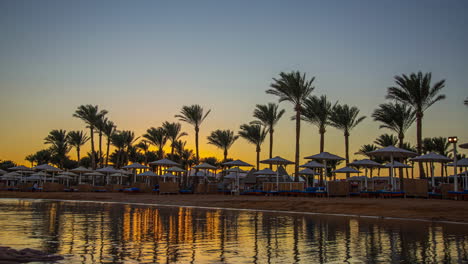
254	134
173	133
295	88
123	141
268	116
222	139
386	140
416	91
144	145
345	118
108	129
57	138
101	126
317	111
396	117
158	138
77	139
91	115
31	158
194	115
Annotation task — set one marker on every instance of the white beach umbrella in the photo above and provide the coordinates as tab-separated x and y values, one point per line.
365	163
108	170
237	163
80	170
175	169
21	167
47	167
325	156
277	161
392	152
205	166
164	163
135	165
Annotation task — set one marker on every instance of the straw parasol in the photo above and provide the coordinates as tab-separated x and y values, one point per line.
120	175
309	172
134	167
237	163
2	172
21	167
206	167
265	172
431	157
365	163
464	146
94	174
47	167
277	161
325	156
108	170
392	152
80	170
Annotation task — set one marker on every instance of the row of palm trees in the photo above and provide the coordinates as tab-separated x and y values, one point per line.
408	100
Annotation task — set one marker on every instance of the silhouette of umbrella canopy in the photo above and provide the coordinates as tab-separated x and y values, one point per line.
397	164
325	156
465	146
431	157
392	151
67	173
21	167
81	169
237	163
2	172
135	165
236	169
108	169
94	173
308	171
148	173
346	170
164	163
175	169
47	167
312	165
277	161
265	172
205	166
460	163
367	163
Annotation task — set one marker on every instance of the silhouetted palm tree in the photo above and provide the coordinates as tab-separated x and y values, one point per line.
91	115
108	129
194	115
100	127
77	139
317	111
157	137
144	145
386	140
295	88
59	148
173	133
31	159
416	90
345	118
123	141
396	117
268	116
254	134
222	139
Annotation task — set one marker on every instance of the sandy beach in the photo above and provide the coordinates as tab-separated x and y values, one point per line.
436	210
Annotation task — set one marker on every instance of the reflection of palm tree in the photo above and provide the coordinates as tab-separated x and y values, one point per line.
193	115
222	139
396	117
345	118
57	138
254	134
157	137
90	115
173	133
268	116
416	90
317	111
295	88
77	139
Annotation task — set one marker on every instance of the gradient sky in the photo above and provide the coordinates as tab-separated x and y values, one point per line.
144	60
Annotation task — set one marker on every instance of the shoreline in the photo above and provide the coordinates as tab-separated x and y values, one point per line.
440	211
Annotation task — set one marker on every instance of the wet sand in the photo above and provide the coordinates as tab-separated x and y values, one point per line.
436	210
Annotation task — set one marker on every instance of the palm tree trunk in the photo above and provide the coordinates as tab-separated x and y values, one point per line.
93	159
160	152
258	158
78	155
100	148
322	139
298	135
346	136
196	143
419	116
225	154
400	145
107	152
271	146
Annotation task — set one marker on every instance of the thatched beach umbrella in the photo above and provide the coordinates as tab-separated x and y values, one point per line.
325	156
108	171
277	161
365	163
237	163
431	158
94	174
80	170
134	167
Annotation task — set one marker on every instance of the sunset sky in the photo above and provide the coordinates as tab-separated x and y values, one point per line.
143	60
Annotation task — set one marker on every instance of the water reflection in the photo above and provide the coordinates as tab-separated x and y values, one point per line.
111	233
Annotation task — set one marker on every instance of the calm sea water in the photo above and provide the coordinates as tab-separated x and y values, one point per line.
116	233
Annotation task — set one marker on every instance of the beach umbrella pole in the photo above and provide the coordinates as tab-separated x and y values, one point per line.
391	173
432	177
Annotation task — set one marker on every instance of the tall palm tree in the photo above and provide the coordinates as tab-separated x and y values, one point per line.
123	141
295	88
77	139
144	145
386	140
317	111
31	158
268	116
57	138
100	127
344	117
173	133
91	115
158	138
222	139
396	117
254	134
416	90
108	129
194	115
